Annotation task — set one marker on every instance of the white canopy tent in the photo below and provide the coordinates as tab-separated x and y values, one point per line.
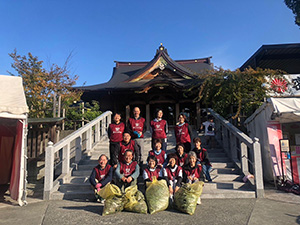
13	130
276	109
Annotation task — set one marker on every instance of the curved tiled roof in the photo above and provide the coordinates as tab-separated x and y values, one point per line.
136	75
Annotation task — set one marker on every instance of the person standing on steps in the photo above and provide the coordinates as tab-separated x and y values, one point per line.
209	131
159	129
115	135
101	175
136	127
183	133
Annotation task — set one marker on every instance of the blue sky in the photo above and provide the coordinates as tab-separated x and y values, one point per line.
101	32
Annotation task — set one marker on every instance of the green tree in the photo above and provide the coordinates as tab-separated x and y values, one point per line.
294	5
76	114
42	86
231	92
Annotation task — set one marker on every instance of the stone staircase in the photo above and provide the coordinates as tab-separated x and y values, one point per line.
227	181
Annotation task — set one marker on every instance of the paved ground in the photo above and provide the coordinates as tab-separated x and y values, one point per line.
276	208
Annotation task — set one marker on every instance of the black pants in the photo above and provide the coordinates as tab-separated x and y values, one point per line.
114	148
187	147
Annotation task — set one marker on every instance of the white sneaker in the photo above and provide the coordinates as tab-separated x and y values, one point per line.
199	201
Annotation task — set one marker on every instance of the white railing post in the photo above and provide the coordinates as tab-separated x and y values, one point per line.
66	159
89	139
108	121
103	127
49	170
258	176
78	148
244	158
97	132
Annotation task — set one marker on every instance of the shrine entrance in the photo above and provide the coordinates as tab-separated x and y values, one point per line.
168	109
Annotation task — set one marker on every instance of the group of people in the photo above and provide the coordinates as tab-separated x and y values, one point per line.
126	146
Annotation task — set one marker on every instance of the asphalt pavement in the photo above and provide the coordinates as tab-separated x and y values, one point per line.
276	208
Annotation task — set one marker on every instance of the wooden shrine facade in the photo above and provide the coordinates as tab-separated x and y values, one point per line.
158	84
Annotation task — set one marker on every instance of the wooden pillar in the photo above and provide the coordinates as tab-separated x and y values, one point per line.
198	113
127	112
148	117
176	112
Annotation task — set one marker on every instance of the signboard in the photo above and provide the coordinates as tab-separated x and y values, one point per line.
274	135
288	85
284	145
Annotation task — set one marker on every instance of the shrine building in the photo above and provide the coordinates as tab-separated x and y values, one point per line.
157	84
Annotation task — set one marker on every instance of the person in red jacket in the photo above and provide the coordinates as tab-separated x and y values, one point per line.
127	172
192	172
202	158
173	175
159	154
159	129
183	133
152	170
126	144
181	155
136	127
101	175
115	135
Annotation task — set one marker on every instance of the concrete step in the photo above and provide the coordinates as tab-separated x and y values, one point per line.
87	166
209	194
217	155
219	159
76	195
220	171
222	164
81	173
227	185
226	177
88	162
211	152
79	179
75	187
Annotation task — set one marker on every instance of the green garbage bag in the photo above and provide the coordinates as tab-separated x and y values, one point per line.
110	190
134	200
112	205
157	195
185	199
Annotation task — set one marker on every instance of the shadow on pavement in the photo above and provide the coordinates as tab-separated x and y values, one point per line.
97	209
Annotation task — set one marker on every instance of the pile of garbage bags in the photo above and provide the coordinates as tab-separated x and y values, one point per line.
157	198
115	201
185	199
